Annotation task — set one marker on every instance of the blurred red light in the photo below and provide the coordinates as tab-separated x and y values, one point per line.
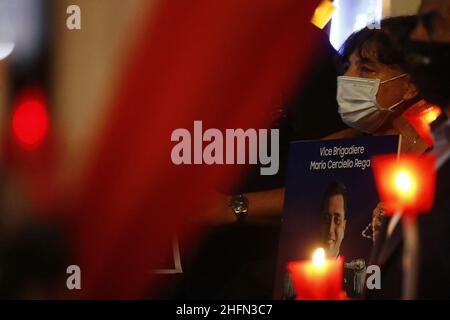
30	121
421	116
431	114
406	184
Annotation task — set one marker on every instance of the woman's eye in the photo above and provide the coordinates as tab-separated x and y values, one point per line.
366	70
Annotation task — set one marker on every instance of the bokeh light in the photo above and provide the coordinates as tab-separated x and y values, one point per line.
30	121
405	184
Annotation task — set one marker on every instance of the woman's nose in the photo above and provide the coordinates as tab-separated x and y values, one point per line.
351	72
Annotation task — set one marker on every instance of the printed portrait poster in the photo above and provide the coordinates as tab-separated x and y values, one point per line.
330	202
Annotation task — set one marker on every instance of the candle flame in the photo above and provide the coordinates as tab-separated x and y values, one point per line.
406	183
403	181
431	114
319	257
323	13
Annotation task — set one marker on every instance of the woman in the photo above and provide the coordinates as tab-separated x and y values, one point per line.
375	89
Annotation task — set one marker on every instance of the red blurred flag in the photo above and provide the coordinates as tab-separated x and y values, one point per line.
221	62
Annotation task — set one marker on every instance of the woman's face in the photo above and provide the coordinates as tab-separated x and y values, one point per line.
390	92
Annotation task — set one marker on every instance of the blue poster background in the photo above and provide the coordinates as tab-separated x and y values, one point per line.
305	188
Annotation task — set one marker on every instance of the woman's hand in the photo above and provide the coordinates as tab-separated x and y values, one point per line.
377	220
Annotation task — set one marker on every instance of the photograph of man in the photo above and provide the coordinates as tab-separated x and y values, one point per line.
333	210
333	224
333	213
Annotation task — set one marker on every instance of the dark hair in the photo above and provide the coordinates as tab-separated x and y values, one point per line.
388	41
335	188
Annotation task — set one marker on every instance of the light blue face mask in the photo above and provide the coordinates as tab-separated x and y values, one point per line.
358	105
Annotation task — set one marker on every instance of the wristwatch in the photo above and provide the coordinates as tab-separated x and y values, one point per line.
239	205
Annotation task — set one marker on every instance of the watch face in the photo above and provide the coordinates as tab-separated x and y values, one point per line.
239	204
240	209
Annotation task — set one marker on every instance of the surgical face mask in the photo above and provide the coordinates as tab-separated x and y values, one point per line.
358	106
429	66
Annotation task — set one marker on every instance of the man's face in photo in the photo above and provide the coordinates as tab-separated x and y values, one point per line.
334	224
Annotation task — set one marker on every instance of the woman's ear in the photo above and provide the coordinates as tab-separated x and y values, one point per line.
410	90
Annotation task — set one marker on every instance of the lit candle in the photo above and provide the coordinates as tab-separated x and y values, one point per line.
319	279
406	186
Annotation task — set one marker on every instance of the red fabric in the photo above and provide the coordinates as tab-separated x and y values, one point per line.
222	62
